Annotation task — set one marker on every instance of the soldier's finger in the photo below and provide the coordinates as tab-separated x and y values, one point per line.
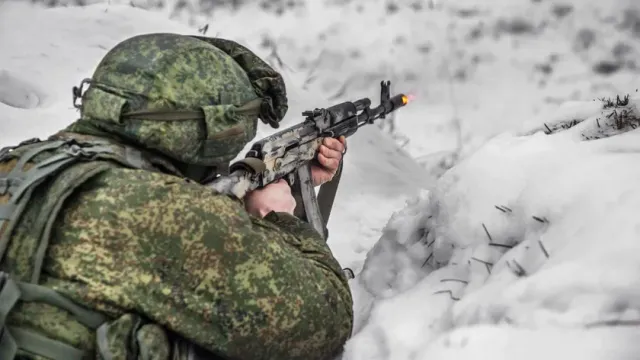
334	144
323	160
330	153
281	184
329	163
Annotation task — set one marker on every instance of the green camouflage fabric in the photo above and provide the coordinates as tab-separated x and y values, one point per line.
182	273
196	263
267	83
159	73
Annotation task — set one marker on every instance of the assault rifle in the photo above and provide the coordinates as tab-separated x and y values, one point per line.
289	153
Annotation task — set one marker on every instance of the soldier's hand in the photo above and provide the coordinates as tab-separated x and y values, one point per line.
329	157
273	197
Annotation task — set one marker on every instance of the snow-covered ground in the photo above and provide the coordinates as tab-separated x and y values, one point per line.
524	249
533	238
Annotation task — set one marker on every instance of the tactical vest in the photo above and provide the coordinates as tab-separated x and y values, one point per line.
52	170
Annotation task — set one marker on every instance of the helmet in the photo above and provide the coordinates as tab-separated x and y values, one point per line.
193	99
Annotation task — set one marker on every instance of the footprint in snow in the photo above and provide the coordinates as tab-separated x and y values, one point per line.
18	93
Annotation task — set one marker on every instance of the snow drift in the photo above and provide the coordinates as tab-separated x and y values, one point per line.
528	248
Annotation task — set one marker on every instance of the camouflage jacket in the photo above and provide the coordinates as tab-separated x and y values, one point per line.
110	258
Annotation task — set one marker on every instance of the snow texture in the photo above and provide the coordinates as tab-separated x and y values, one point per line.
532	238
526	245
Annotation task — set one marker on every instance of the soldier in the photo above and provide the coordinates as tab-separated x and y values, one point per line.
111	247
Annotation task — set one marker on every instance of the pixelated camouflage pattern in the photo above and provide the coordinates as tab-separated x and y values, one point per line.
53	323
27	238
198	264
152	342
267	83
192	261
135	244
226	136
130	335
165	72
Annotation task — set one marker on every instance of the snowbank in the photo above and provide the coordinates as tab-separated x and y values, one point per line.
527	248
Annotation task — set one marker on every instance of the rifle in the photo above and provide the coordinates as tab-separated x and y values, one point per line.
288	154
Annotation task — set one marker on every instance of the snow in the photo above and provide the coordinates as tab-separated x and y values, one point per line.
536	234
39	64
525	246
482	342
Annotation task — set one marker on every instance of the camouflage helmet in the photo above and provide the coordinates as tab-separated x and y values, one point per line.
193	99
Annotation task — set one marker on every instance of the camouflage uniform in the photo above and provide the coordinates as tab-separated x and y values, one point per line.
114	250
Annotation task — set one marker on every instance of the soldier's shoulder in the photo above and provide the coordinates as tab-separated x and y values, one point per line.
136	199
126	185
123	175
121	180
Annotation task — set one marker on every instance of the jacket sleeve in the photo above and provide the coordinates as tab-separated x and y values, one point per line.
197	263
